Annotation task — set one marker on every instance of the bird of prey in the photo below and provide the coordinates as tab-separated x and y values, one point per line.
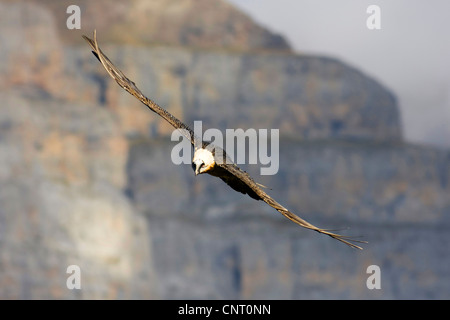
206	157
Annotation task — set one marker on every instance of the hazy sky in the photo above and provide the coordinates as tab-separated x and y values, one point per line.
410	54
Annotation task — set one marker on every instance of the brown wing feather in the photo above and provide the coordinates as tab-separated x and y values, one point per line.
131	88
242	182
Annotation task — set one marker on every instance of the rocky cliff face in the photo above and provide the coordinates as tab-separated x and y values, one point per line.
305	97
212	242
202	24
63	169
86	179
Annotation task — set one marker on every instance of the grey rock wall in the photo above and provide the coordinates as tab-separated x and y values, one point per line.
304	96
212	242
61	178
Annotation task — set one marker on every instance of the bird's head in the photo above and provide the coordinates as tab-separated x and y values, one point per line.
203	161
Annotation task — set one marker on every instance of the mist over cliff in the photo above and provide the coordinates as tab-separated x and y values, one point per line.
86	177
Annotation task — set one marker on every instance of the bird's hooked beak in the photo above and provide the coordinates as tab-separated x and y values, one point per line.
197	165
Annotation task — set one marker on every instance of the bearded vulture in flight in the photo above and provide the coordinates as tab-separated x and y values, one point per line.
205	160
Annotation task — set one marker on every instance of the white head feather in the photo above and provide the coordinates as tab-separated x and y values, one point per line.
203	161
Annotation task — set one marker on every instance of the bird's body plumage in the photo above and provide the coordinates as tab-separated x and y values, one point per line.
208	158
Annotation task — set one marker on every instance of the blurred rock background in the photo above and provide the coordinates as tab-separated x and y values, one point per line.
85	176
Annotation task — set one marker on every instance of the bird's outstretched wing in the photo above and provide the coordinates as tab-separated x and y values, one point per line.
241	181
131	88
